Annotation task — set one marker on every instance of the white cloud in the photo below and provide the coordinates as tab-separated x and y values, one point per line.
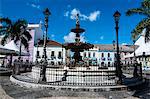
92	16
34	5
95	41
71	38
82	38
66	14
124	44
74	13
101	37
68	6
52	36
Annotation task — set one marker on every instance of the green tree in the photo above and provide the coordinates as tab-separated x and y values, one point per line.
16	31
144	9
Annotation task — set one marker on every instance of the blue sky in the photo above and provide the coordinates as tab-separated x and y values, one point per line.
96	17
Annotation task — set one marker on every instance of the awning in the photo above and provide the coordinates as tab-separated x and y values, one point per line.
12	46
5	51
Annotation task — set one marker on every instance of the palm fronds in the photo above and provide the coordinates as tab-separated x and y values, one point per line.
16	31
143	10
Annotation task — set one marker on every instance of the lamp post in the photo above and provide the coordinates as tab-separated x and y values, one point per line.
113	42
118	66
143	58
43	73
135	74
46	13
37	52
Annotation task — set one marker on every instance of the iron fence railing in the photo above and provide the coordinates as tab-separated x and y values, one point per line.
79	76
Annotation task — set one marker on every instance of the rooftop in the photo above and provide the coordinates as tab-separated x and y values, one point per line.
50	43
110	47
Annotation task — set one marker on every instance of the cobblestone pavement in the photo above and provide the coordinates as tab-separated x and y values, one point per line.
144	93
9	89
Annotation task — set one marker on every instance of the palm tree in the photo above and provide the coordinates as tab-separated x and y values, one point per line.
144	9
16	31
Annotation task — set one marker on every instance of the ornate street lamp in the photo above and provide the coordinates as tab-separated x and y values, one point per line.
43	72
114	45
134	52
118	66
135	74
113	42
37	52
46	13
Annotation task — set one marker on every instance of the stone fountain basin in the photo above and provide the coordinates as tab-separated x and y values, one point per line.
77	75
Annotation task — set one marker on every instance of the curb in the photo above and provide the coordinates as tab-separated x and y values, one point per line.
70	88
5	73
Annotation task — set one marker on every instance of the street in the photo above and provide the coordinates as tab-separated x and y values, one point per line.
9	89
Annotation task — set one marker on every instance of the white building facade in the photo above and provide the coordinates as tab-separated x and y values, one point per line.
142	53
55	53
100	55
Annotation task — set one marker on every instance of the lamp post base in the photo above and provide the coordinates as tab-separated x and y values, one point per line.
43	72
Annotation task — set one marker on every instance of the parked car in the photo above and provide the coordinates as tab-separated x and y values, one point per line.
146	68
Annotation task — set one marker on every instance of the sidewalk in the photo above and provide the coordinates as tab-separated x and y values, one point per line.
3	94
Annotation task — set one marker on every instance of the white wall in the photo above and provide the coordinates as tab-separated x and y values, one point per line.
49	50
98	56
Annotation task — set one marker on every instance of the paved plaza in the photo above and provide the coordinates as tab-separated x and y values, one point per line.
8	90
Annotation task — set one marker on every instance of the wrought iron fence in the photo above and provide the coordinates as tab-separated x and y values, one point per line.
76	76
135	69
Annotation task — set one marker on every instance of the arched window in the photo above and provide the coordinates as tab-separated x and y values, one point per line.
102	54
108	54
52	53
93	54
89	54
84	54
102	64
108	64
59	55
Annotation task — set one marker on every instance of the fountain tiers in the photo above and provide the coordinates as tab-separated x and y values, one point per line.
77	46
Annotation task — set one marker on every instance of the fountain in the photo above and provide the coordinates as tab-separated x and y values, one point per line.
77	46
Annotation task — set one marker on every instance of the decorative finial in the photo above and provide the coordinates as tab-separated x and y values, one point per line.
77	19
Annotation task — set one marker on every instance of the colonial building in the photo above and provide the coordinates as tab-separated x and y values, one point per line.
105	54
142	53
36	32
55	52
101	55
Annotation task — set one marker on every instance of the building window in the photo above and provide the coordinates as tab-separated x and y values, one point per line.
59	55
108	64
52	63
84	54
108	54
125	53
93	54
89	54
52	53
115	55
102	64
102	54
